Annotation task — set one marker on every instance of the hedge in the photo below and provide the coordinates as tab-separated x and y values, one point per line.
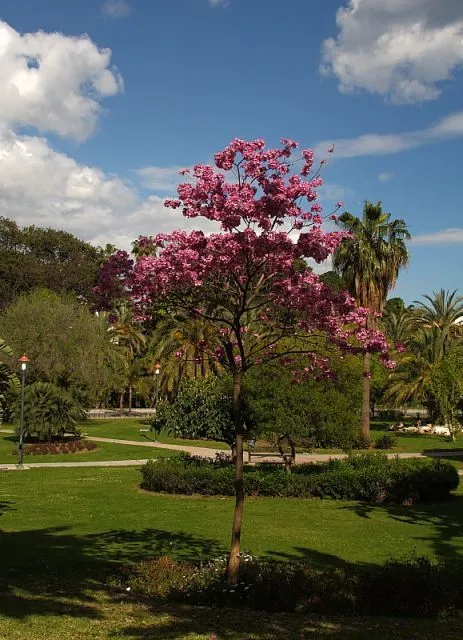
369	477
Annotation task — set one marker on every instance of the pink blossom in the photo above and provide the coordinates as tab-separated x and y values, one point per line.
244	279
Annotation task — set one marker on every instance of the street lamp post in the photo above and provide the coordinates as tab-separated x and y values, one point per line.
24	360
157	372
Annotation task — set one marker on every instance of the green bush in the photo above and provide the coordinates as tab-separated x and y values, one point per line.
386	441
412	587
370	477
49	412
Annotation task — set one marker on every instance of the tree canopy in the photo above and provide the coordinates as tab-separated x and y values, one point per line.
32	257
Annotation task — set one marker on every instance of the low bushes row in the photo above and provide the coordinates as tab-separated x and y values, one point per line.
368	477
413	587
55	448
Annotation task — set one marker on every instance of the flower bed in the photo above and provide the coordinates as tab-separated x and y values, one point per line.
56	448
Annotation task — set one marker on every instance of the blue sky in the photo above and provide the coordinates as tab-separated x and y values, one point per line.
90	139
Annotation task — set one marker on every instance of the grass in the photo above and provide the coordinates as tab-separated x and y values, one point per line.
121	618
64	530
129	429
104	451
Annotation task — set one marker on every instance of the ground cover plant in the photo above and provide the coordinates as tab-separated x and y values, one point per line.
54	448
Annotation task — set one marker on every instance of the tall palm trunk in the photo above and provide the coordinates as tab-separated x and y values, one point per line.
235	549
366	385
130	400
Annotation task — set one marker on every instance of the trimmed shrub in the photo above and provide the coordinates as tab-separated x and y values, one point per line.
411	587
369	477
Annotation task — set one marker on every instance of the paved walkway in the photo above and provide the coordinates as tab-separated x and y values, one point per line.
208	453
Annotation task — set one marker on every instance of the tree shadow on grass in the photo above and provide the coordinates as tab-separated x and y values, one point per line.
446	519
47	571
181	622
6	505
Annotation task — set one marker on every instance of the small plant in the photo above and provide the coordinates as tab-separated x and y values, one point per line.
49	412
386	441
412	587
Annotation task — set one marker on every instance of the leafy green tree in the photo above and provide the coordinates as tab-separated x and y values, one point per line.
369	262
32	257
67	345
49	412
9	381
202	409
446	386
315	412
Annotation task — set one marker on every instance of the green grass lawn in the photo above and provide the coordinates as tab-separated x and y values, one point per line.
135	429
104	451
64	530
129	429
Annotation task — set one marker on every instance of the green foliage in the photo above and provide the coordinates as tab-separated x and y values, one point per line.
67	345
201	410
9	381
446	388
49	412
386	441
371	478
32	257
413	586
317	413
369	260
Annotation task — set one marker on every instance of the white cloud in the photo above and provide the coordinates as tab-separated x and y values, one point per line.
400	49
41	186
218	3
374	144
161	178
385	176
445	236
116	9
53	82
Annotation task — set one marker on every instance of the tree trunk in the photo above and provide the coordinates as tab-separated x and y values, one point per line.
365	425
121	402
130	400
235	549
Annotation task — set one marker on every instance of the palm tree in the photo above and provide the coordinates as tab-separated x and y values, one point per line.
397	324
130	341
442	315
434	328
369	263
184	346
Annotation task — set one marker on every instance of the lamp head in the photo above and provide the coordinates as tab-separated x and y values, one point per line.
24	360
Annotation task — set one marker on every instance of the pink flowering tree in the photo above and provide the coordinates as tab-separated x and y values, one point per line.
248	280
